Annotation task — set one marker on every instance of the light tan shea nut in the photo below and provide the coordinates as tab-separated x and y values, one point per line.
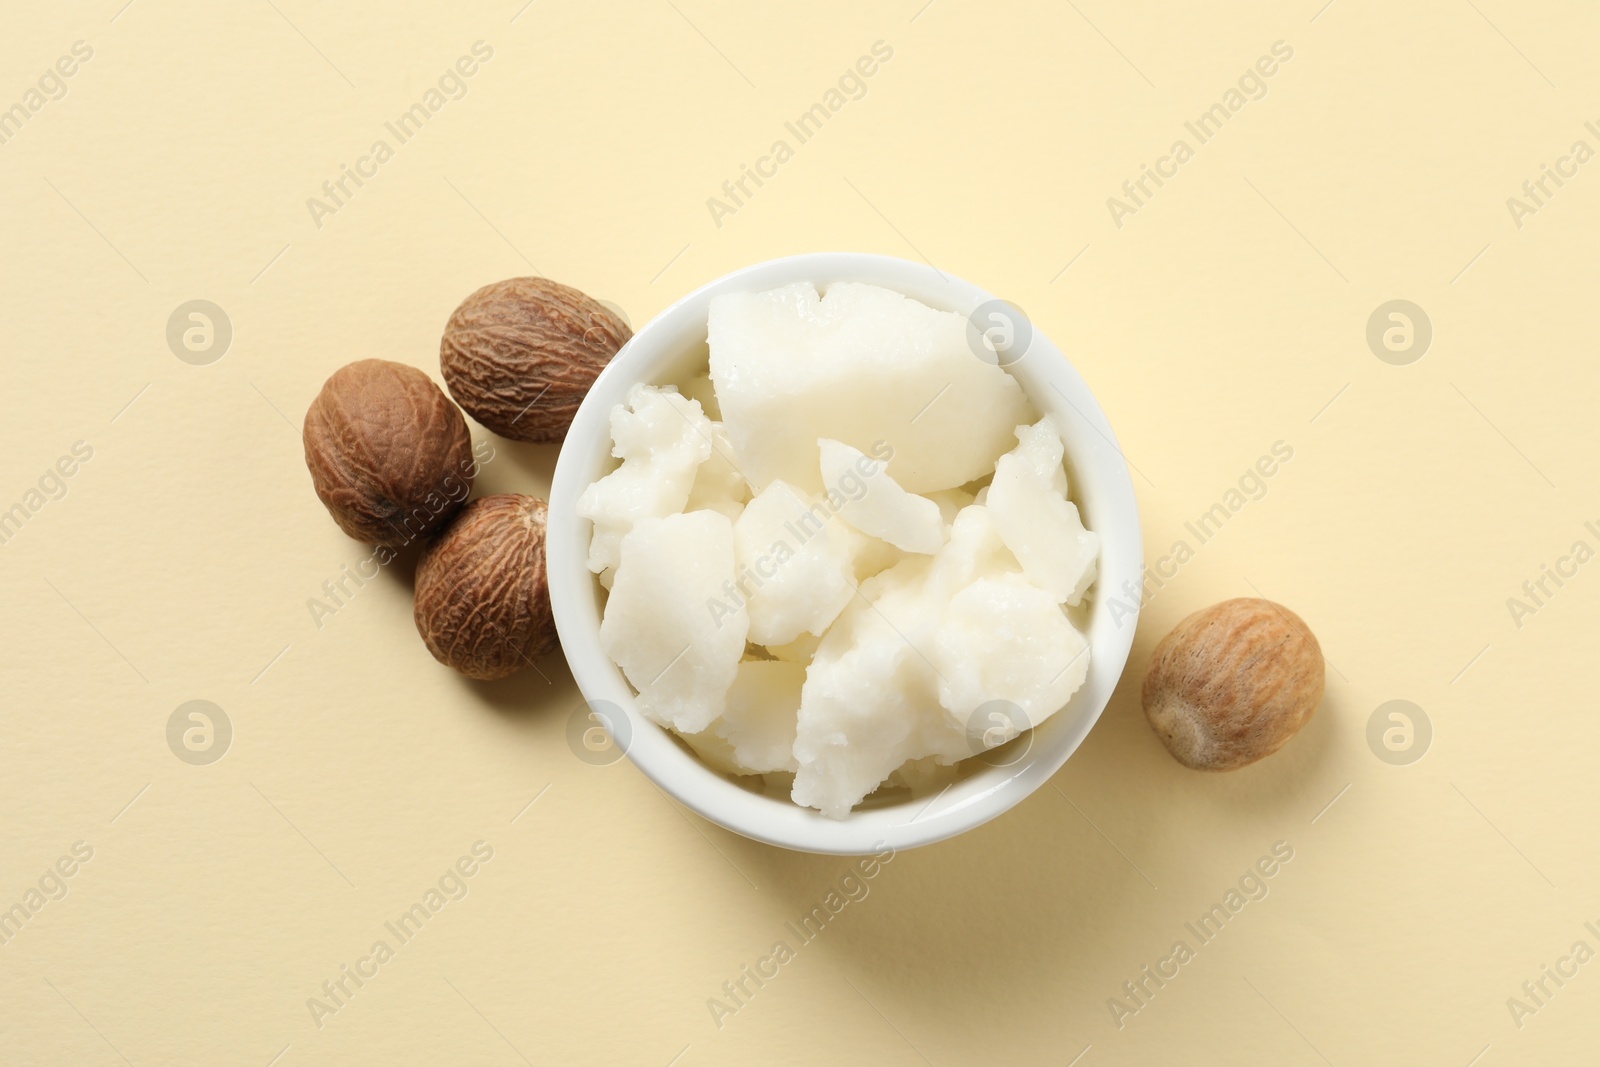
1232	683
389	454
483	604
520	354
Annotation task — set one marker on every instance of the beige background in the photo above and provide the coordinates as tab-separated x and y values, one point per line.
1228	314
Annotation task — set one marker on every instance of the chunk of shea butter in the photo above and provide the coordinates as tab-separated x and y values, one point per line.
657	626
1004	638
794	565
700	389
874	503
662	439
859	364
715	750
950	502
800	650
975	550
871	696
1028	501
873	556
718	485
759	722
869	703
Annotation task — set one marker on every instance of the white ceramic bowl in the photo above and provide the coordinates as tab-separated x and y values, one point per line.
672	347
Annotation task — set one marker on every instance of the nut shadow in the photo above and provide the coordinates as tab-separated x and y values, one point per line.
517	467
402	569
534	695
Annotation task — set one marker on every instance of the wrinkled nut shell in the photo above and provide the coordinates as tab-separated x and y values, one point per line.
483	605
1232	683
519	355
389	454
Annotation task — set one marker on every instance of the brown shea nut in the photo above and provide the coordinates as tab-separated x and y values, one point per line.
389	454
1232	683
483	605
519	355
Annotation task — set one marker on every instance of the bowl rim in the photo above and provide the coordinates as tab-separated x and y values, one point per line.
1103	489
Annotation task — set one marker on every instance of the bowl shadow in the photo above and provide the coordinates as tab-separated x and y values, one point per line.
1082	874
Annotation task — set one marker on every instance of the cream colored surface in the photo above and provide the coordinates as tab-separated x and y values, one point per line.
1228	314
